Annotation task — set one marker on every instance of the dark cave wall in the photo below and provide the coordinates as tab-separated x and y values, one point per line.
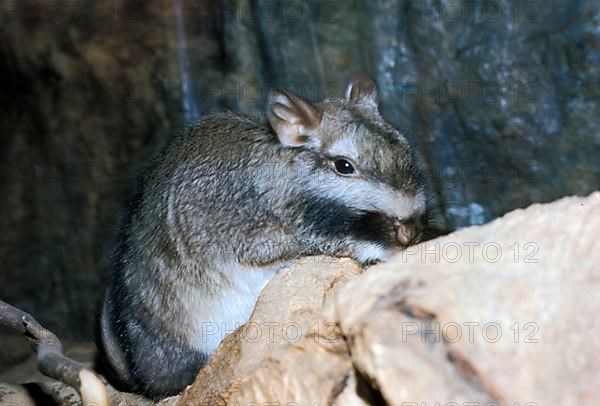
85	99
501	98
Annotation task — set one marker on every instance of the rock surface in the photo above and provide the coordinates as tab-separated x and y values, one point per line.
512	321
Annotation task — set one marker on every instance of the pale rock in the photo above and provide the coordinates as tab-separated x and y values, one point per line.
513	322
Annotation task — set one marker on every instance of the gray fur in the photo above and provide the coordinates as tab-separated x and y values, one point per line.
229	203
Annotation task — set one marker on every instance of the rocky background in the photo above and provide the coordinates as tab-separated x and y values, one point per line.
501	98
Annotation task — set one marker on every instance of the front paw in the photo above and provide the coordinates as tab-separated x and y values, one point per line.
366	253
343	254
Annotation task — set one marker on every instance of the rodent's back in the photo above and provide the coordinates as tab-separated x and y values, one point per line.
198	189
225	141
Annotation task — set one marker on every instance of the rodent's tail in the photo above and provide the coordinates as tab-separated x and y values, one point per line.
111	361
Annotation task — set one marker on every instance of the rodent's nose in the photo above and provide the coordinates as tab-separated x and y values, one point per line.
409	231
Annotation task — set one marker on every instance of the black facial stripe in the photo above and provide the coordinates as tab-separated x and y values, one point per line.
373	227
328	218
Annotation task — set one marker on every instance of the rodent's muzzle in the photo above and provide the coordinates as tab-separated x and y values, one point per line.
410	231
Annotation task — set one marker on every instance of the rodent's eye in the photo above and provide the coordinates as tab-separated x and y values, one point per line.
344	167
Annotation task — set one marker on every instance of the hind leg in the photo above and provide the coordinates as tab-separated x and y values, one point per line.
160	365
144	358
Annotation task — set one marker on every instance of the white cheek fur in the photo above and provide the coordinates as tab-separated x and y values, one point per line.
364	195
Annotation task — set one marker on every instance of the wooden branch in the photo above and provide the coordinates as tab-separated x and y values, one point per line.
50	358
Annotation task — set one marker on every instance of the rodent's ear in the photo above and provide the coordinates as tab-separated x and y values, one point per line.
362	88
295	120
